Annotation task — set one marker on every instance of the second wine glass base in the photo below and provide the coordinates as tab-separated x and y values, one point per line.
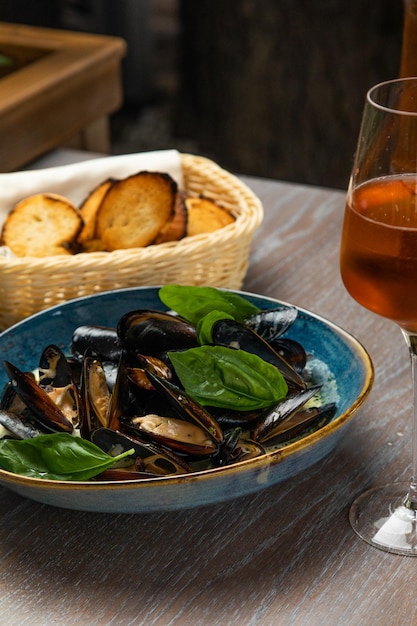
379	517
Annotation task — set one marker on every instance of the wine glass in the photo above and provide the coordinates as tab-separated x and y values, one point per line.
378	261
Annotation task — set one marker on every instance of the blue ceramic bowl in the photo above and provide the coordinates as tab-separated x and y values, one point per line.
338	360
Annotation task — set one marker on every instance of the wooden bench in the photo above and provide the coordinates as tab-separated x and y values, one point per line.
60	92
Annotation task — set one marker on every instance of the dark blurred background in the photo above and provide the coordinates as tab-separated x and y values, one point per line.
271	88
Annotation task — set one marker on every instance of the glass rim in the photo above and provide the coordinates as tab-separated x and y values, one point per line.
386	107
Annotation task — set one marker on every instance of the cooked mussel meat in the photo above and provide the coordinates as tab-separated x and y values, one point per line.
95	396
137	375
176	434
186	408
236	448
150	459
55	377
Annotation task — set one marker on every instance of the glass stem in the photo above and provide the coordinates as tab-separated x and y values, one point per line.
410	500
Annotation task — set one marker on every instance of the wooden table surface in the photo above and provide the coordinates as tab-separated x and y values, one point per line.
286	555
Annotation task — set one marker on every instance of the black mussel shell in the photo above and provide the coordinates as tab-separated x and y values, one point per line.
55	375
186	408
157	460
17	427
101	341
265	427
236	448
227	332
233	418
53	368
37	400
120	397
272	323
301	422
137	375
154	332
292	351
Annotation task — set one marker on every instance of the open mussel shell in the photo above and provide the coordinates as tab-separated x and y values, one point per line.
272	323
232	334
43	408
236	448
154	460
95	396
264	429
137	375
155	332
177	434
301	422
248	449
54	369
55	376
120	397
186	408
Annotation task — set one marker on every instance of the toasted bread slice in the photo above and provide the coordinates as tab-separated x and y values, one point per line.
205	216
89	209
176	228
135	209
42	225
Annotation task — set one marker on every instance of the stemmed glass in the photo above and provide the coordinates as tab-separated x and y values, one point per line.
379	269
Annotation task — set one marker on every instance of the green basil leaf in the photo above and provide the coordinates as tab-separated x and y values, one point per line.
228	378
205	324
57	456
193	303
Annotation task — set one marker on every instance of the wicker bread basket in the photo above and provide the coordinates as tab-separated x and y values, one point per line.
218	259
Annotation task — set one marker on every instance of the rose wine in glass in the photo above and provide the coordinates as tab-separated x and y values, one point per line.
378	262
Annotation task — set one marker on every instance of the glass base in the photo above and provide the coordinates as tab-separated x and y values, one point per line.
379	517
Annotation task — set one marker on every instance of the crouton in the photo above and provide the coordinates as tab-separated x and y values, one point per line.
42	225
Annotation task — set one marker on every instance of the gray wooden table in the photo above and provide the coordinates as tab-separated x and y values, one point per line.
286	555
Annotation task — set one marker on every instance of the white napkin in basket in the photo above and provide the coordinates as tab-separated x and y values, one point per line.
77	180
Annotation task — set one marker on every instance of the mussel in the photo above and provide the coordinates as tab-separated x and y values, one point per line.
230	333
265	427
95	395
16	427
149	459
154	332
300	422
44	409
272	323
101	341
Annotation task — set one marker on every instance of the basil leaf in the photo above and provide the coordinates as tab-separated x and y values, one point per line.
57	456
228	378
193	303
